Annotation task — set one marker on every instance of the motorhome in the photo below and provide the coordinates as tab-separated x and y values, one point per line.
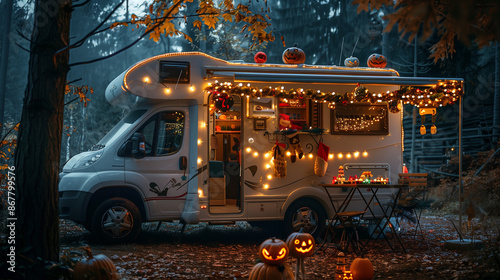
208	140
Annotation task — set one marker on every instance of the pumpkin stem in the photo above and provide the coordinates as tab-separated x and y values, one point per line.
88	251
295	45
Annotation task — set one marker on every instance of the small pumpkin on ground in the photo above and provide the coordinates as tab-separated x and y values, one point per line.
262	271
362	269
99	267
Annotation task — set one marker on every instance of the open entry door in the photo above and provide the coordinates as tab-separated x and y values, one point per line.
225	187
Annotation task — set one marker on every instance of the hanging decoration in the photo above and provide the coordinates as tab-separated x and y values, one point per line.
427	111
279	160
441	94
321	161
295	148
223	102
260	57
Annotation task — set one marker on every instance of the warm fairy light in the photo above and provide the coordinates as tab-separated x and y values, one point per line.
266	186
268	166
255	154
191	88
200	192
348	155
203	124
167	90
356	154
266	155
269	177
330	156
288	153
248	149
340	155
199	160
365	153
146	79
310	155
199	142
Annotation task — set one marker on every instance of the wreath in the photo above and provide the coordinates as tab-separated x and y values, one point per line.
223	102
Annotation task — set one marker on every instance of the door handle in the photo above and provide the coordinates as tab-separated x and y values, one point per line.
183	163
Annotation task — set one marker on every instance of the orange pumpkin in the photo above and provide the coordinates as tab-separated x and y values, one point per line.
260	57
351	62
300	245
377	60
362	269
273	252
263	271
294	55
98	267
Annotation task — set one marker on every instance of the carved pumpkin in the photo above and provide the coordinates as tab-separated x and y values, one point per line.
294	55
98	267
362	269
377	60
351	62
260	57
300	245
264	271
273	252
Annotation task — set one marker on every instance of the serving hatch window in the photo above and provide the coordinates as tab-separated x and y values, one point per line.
174	72
360	119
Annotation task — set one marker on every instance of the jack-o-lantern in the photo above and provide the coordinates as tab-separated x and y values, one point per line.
260	57
351	62
377	60
347	275
272	272
273	252
362	269
294	55
300	245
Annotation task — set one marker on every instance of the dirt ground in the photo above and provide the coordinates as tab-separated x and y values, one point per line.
230	252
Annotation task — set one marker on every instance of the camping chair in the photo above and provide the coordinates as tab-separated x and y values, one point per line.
414	199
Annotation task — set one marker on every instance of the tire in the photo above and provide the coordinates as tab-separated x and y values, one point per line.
307	214
116	220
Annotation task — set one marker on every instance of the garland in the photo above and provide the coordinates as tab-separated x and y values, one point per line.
441	94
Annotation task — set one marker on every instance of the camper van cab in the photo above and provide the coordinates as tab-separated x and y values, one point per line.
199	144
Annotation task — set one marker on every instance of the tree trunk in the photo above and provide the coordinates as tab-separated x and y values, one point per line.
39	141
496	103
7	16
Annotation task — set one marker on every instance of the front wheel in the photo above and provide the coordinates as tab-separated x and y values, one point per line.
116	220
307	215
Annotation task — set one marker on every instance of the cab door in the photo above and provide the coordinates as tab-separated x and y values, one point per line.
160	174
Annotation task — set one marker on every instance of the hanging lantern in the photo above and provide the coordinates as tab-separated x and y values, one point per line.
433	129
260	57
294	55
351	62
423	130
377	61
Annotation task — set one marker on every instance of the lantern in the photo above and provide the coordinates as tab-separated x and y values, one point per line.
362	269
422	130
433	129
351	62
300	245
340	269
260	57
273	252
294	55
376	60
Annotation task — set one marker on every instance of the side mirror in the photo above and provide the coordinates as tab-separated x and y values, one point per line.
138	146
183	163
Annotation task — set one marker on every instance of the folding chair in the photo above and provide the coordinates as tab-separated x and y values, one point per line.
414	197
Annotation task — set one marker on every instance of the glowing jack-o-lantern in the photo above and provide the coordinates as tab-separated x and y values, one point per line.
301	245
273	252
294	55
347	275
351	62
377	60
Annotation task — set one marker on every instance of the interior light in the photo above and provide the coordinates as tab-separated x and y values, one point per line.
200	192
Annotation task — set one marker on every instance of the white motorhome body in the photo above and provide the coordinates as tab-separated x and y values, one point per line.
180	156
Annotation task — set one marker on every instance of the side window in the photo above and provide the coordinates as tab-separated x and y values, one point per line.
163	133
170	133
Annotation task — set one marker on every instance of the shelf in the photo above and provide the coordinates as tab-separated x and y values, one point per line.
227	132
217	120
289	107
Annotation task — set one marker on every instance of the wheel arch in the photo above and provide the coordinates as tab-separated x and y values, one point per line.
106	193
308	193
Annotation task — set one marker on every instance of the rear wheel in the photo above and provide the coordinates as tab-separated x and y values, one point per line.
116	220
306	214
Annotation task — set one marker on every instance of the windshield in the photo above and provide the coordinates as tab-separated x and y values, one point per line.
118	129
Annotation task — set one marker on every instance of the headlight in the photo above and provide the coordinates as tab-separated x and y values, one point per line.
89	159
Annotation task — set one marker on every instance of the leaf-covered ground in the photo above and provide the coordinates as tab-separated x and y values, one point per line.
229	252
